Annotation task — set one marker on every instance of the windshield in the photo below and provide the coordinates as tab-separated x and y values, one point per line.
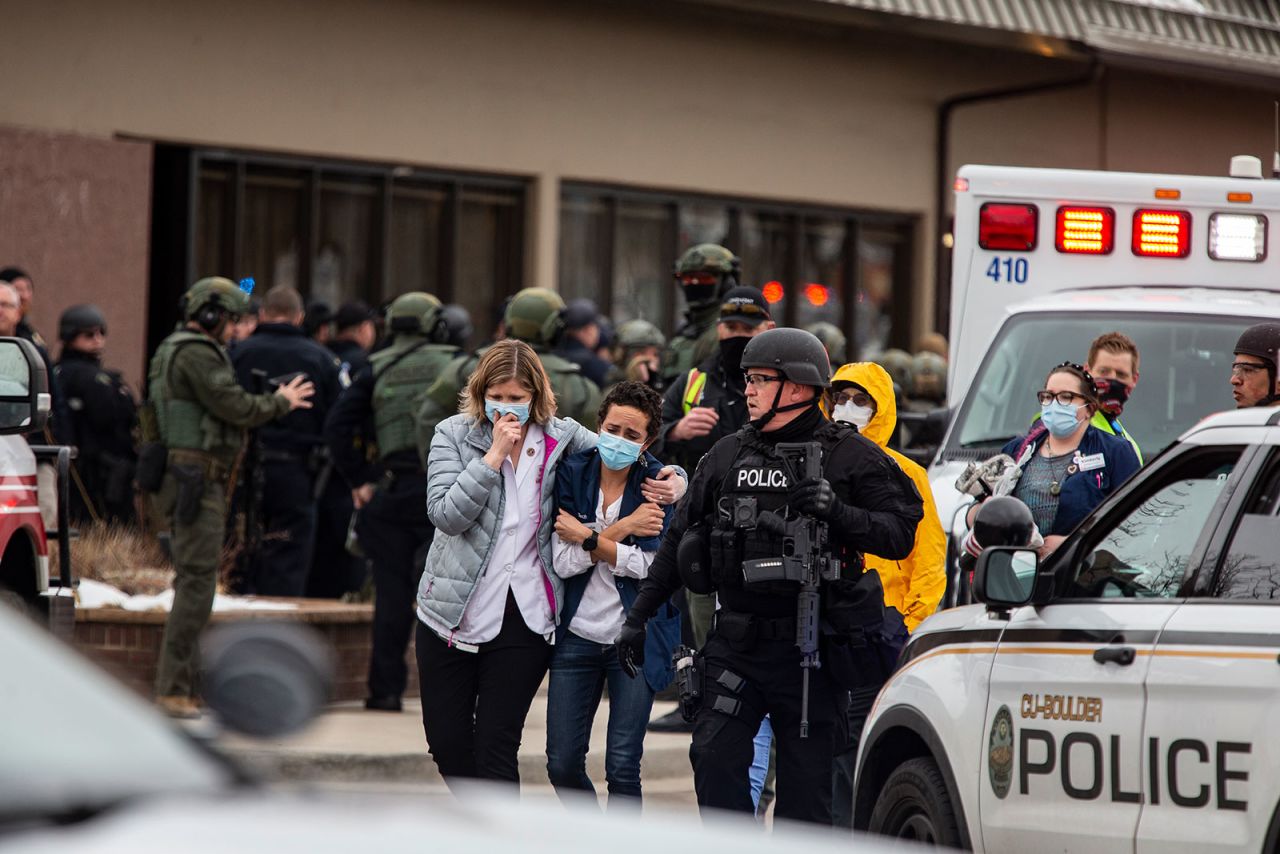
72	739
1184	374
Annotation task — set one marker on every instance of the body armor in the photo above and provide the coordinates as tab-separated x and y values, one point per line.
184	423
403	372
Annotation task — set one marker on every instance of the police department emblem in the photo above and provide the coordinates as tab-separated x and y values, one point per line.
1000	752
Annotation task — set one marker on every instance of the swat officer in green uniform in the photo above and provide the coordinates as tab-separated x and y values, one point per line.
390	494
201	413
536	317
705	273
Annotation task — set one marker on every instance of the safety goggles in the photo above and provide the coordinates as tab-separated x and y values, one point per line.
1246	369
743	309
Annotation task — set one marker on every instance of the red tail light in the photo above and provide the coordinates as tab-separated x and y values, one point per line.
1008	227
1161	234
1085	231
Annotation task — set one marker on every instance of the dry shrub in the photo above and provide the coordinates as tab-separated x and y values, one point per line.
120	555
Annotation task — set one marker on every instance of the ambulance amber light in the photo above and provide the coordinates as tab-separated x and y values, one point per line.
1085	231
1008	227
1161	234
1168	194
1237	237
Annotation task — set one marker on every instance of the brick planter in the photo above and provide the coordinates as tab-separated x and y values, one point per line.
127	643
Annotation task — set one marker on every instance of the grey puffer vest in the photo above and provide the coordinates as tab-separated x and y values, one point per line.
465	500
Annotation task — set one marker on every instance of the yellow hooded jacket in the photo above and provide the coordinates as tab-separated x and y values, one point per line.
915	584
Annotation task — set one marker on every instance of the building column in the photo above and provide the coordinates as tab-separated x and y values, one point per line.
542	249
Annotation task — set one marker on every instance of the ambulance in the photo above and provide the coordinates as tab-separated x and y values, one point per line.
1045	260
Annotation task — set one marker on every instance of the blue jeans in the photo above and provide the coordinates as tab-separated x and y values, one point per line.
579	669
760	760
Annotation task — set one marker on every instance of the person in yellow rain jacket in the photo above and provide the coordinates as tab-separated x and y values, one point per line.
862	395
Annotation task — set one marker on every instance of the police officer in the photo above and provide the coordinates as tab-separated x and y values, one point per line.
1254	377
288	451
201	412
103	412
705	273
535	316
391	524
739	498
832	338
354	334
637	354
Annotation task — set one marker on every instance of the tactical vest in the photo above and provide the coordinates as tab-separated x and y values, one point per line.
693	343
574	392
402	374
183	422
757	483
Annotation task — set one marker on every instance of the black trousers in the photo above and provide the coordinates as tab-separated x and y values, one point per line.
474	704
860	702
394	532
283	559
334	571
730	716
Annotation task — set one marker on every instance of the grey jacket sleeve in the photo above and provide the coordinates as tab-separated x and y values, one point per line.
456	491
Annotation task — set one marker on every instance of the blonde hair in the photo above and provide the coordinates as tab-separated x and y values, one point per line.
509	359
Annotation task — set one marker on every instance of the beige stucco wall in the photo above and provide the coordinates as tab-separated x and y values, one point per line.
660	94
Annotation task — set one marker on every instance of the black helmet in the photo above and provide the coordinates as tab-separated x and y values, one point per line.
80	318
797	355
1003	521
1261	340
457	320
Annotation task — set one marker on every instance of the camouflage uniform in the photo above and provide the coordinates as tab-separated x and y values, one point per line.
532	316
696	339
202	413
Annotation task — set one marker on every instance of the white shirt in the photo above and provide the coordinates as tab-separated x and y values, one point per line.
514	563
599	616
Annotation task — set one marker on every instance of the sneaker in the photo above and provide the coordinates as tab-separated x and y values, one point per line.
670	722
179	706
383	704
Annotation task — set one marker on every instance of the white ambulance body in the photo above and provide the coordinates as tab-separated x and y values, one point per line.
1021	233
1045	260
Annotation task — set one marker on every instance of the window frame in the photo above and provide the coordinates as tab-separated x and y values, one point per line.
1264	461
1148	481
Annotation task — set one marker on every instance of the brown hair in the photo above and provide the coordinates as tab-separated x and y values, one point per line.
282	301
509	359
1088	388
1114	342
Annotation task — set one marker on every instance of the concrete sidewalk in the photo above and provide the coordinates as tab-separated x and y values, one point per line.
348	744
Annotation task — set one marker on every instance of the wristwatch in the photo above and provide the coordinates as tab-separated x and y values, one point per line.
590	543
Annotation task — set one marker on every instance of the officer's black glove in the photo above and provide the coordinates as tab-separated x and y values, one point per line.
813	498
630	646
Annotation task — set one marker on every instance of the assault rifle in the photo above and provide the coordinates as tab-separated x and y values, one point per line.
805	559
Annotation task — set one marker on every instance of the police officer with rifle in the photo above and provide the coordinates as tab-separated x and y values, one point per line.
774	522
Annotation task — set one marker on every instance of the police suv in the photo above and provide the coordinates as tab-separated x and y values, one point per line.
1121	695
1045	260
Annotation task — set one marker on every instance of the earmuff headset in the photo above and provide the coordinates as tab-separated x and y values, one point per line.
553	327
437	331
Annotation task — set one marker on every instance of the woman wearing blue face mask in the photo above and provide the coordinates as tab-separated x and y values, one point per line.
607	535
1068	466
488	603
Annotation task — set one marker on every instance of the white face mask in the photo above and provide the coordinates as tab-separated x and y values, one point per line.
858	416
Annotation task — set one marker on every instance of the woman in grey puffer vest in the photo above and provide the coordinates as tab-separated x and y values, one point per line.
488	602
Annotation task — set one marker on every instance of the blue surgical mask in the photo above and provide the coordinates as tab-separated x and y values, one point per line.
494	410
1062	419
616	452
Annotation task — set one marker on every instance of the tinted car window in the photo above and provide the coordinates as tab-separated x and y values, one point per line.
1251	567
1145	552
1185	374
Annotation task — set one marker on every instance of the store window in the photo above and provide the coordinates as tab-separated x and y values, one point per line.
339	231
618	247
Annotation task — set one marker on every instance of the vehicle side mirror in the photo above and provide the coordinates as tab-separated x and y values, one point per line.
1005	577
24	387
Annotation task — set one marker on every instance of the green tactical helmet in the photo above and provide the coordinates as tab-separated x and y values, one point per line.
928	376
898	364
208	298
417	313
640	333
832	338
707	258
535	316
